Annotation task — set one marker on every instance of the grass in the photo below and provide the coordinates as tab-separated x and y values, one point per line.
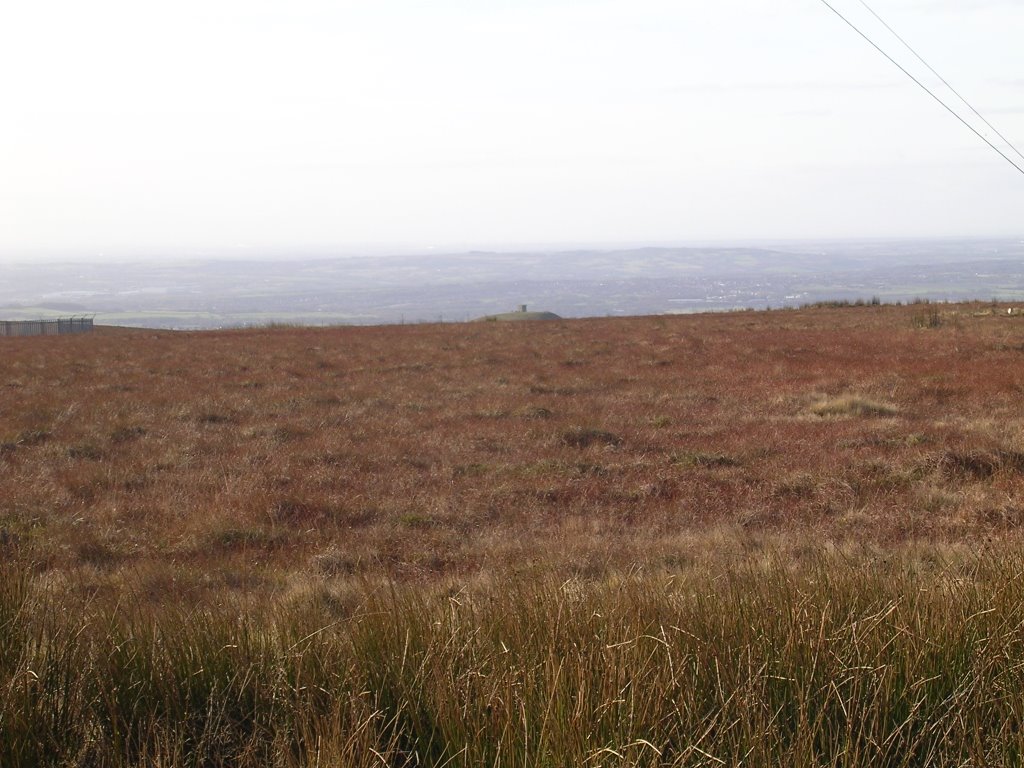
743	539
829	660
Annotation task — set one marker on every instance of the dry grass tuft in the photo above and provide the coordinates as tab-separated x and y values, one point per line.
979	464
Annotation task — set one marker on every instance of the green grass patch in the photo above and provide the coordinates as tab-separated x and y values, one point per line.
705	459
852	405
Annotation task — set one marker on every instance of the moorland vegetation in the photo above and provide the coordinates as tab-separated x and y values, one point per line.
757	538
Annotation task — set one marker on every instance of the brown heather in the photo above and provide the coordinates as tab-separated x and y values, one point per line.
777	538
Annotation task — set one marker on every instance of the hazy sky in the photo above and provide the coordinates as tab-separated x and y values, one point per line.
217	125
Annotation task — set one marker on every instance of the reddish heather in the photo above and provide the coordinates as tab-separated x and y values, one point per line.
242	458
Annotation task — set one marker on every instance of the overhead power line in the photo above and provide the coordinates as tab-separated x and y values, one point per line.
945	82
921	85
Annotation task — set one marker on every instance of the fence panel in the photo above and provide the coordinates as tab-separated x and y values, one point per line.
58	327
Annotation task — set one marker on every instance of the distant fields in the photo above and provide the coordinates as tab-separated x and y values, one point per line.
166	319
756	538
227	291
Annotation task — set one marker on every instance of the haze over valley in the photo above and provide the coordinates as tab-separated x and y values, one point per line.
197	294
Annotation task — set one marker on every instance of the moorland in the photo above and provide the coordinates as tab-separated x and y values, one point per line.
748	538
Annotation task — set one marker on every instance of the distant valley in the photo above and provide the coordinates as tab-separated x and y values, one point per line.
210	293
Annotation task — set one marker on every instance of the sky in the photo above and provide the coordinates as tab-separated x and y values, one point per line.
210	127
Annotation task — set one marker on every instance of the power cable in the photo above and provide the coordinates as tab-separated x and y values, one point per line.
923	87
944	81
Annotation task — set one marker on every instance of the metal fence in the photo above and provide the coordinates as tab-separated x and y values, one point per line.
56	327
